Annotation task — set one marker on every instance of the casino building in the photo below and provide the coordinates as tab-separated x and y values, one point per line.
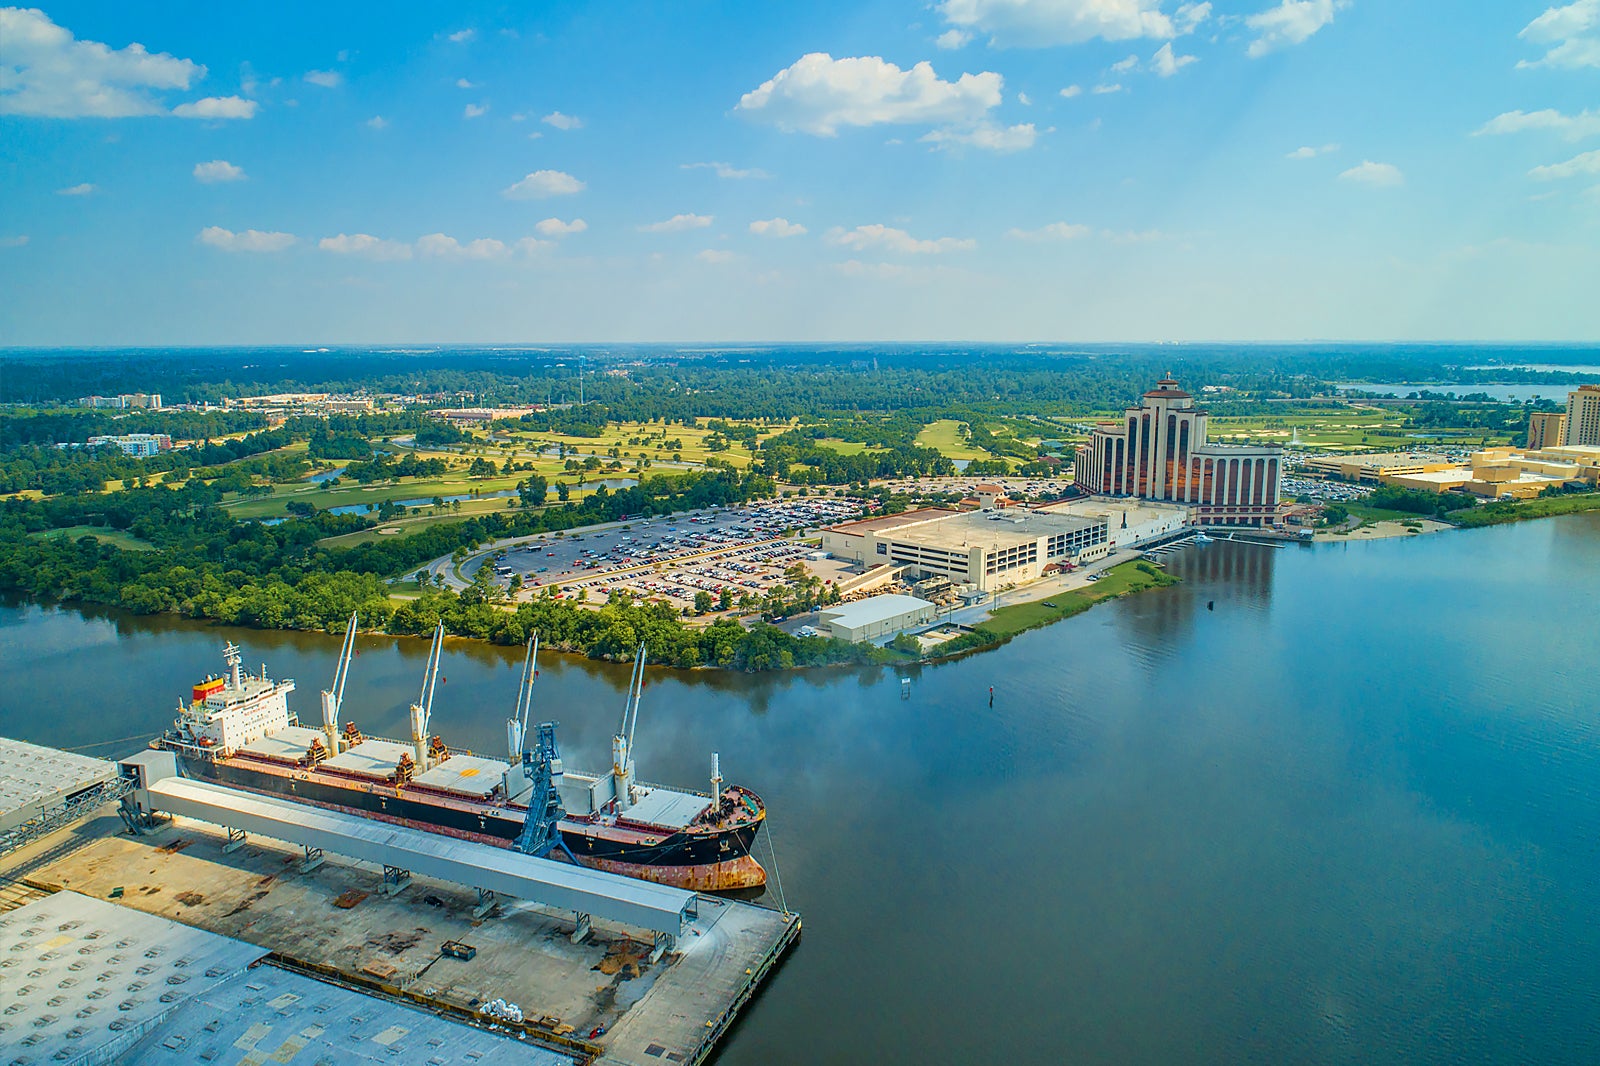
1159	452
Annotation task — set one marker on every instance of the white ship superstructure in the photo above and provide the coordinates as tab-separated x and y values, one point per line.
228	713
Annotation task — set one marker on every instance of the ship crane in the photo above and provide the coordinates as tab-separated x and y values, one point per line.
422	710
517	724
333	696
622	743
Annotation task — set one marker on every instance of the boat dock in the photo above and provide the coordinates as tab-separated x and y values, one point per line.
622	994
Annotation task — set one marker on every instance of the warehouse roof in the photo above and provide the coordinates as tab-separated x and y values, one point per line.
873	609
32	777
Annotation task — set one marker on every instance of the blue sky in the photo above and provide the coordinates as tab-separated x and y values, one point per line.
954	170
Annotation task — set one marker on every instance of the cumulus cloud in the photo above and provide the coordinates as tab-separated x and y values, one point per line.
474	110
440	246
1572	127
818	94
251	240
986	136
463	83
716	255
217	107
1070	91
543	183
1055	231
1291	22
366	246
84	189
463	36
890	239
727	170
46	72
1311	152
776	227
1571	35
217	170
1046	23
1587	163
554	227
1166	64
1106	90
1122	66
377	122
562	122
1383	175
677	224
950	40
328	79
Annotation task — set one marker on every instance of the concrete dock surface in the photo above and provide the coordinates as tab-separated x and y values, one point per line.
599	1001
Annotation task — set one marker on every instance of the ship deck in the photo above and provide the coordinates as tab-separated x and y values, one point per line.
672	1011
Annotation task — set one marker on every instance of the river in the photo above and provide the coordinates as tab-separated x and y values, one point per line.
1347	815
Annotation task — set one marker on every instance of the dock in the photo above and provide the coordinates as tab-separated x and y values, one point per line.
612	997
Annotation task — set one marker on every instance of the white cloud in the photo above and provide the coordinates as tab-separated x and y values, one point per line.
1166	64
1310	152
46	72
1383	175
1046	23
950	40
1055	231
895	240
474	110
1291	22
818	94
543	183
1072	90
439	246
530	245
14	242
1143	236
251	240
85	189
986	136
1587	163
554	227
365	245
1122	66
463	83
377	122
218	107
1024	99
727	170
776	227
217	170
1106	90
562	122
1572	33
677	224
1572	127
716	255
328	79
463	36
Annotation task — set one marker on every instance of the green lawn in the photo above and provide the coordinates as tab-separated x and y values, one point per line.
1120	580
115	537
846	447
945	436
1498	513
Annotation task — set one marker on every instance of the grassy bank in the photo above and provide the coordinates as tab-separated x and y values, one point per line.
1495	514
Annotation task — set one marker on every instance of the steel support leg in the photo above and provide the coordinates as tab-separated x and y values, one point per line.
312	860
395	880
665	942
236	840
583	928
486	903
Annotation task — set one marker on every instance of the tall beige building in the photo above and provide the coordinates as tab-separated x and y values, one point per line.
1545	429
1583	417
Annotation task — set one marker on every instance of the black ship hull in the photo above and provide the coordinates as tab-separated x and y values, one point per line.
712	860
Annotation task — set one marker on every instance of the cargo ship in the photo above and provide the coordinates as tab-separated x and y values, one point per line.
237	729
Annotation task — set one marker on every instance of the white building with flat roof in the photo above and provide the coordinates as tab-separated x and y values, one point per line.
876	617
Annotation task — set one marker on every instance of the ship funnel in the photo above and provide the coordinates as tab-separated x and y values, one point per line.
422	710
333	696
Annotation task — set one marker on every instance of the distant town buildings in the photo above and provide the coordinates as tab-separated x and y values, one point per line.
138	445
480	416
1159	451
1582	427
148	400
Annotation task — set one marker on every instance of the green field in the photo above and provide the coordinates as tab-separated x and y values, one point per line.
1120	580
945	436
114	537
846	447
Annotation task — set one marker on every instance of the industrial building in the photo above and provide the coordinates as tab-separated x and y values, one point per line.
877	616
986	549
1159	451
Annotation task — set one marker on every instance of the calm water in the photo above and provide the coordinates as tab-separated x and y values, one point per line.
1349	816
1505	393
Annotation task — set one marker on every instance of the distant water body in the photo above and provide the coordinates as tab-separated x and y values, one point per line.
1348	815
1514	393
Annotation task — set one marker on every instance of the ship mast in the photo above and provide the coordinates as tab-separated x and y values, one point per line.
333	696
422	710
231	653
622	742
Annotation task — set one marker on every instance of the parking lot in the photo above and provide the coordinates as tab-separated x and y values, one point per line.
1016	487
671	557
